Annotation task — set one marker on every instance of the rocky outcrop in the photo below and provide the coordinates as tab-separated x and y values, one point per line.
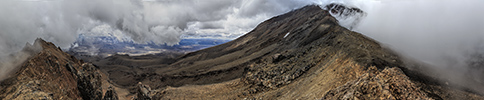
389	84
53	74
110	94
88	81
344	12
144	92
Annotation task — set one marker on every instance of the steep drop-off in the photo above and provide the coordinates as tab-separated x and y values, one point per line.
53	75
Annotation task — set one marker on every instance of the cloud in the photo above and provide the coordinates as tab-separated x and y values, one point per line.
60	21
426	29
441	33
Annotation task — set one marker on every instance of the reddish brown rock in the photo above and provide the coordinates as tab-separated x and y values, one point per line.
53	74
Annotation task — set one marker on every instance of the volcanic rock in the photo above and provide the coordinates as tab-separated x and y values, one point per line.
53	74
110	94
143	92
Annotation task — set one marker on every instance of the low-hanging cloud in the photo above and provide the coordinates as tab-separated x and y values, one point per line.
427	29
446	34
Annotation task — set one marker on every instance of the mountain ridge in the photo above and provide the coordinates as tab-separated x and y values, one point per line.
51	73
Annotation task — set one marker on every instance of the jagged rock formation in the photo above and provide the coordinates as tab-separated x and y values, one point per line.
53	74
110	94
343	12
144	92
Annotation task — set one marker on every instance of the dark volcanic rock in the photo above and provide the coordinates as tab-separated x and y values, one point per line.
110	94
89	82
144	92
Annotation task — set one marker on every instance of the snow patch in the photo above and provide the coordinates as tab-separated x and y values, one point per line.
287	34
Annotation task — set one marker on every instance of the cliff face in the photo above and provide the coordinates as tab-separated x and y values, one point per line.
53	74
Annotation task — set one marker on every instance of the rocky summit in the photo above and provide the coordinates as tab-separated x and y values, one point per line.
303	54
54	75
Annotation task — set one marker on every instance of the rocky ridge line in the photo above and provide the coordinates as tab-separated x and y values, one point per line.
53	74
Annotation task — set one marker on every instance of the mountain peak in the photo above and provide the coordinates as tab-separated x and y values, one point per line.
306	10
45	44
351	16
50	73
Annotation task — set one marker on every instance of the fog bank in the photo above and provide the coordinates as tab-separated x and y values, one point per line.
446	34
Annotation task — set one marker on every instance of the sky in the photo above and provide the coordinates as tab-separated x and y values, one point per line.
444	34
437	32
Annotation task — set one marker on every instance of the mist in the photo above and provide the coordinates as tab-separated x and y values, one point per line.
427	29
446	35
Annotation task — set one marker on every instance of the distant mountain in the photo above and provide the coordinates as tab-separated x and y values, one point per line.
303	54
108	45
